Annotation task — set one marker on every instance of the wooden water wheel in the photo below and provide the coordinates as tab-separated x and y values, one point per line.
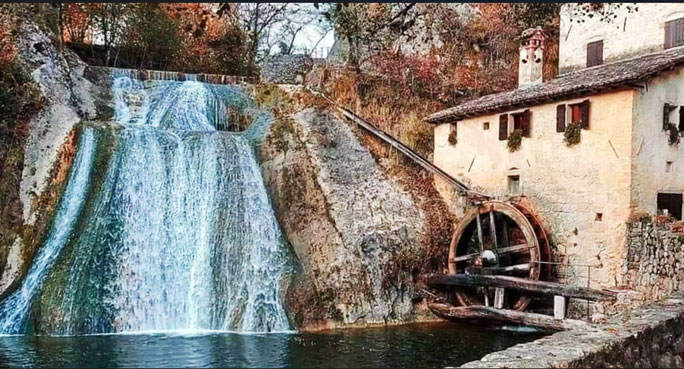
499	238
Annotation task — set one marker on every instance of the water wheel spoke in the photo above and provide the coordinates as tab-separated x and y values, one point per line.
492	228
516	269
523	247
480	239
465	257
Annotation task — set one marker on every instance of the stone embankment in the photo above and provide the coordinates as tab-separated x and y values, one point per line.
649	337
655	258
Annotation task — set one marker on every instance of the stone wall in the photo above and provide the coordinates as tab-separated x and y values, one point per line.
655	258
650	337
288	69
628	34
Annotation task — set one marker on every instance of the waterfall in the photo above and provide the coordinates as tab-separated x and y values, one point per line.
15	307
178	234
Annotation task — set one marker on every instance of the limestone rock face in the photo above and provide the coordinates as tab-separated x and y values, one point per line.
356	232
59	74
66	96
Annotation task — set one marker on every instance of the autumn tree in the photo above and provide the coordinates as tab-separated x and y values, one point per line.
77	21
109	20
212	43
368	28
151	37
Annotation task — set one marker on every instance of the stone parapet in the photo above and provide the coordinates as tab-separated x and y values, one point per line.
649	337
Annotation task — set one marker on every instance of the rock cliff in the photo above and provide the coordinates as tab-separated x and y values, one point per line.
44	152
359	234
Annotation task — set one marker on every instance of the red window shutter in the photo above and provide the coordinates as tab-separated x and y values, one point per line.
503	127
560	118
526	123
584	114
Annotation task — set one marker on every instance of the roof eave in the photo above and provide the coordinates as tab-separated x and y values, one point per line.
452	118
625	84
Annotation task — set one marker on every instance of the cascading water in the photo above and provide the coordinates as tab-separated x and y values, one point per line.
175	233
16	306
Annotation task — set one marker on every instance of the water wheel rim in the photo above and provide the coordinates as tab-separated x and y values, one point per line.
523	224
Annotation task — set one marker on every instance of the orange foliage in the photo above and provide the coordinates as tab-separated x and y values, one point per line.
76	21
8	49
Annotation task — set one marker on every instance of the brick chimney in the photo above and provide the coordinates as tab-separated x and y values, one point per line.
531	57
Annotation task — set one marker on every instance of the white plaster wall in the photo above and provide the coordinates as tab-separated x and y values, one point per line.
628	35
651	150
567	185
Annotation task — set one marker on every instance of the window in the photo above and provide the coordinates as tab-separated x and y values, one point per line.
579	113
674	33
485	126
668	166
521	121
670	204
681	119
595	53
514	185
667	110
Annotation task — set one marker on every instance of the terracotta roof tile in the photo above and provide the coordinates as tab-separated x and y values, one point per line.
584	81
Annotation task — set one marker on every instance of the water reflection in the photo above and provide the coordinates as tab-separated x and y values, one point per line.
414	345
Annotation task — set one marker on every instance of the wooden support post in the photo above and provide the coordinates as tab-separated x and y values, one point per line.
498	298
560	307
486	296
492	227
480	240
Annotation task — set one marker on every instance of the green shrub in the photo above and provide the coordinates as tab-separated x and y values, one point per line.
572	134
515	140
673	134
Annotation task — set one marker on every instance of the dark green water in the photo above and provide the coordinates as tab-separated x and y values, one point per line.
412	345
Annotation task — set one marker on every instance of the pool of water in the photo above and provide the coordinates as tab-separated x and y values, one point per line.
411	345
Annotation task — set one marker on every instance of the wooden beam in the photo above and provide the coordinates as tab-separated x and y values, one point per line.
514	248
490	314
427	165
547	288
500	270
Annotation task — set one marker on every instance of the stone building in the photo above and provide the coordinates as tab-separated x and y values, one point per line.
622	88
